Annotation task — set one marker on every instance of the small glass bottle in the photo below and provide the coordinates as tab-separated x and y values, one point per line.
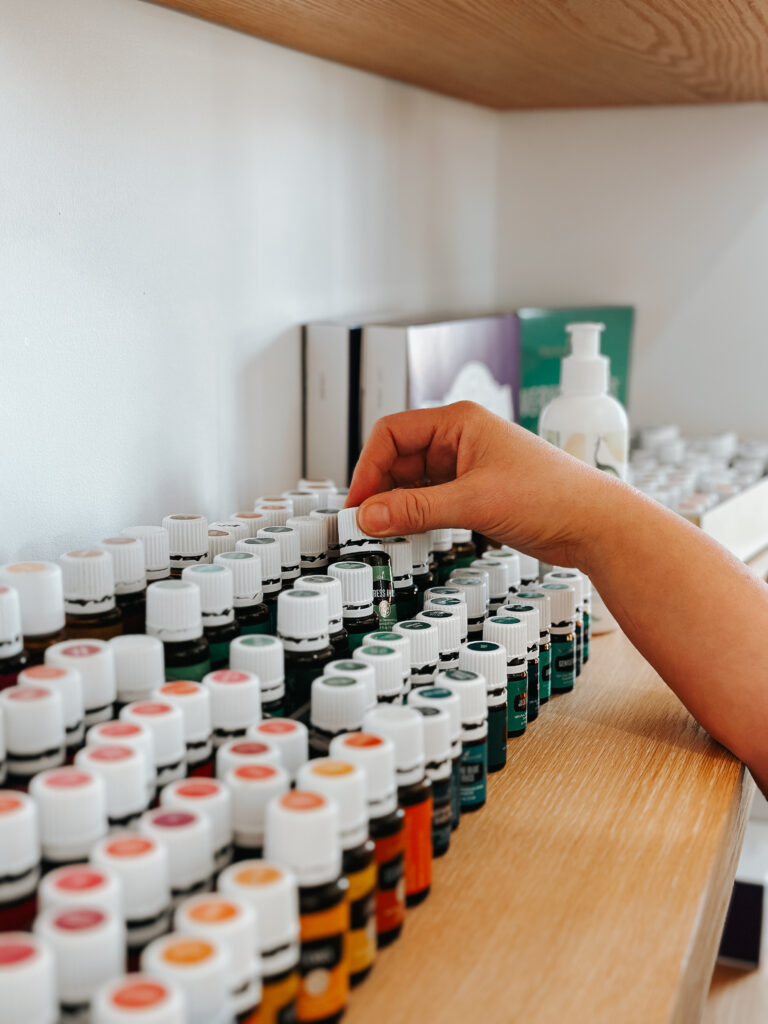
540	600
437	748
129	734
338	705
187	541
387	665
69	684
263	656
235	703
356	579
33	724
244	752
251	612
482	574
463	548
19	860
357	670
89	595
443	555
123	770
489	660
512	633
40	590
448	625
529	569
331	587
212	798
475	590
290	552
344	783
199	968
529	614
94	660
289	737
405	728
473	774
216	607
138	999
71	812
302	625
424	650
400	642
166	724
130	580
252	787
423	578
498	580
139	667
561	634
406	594
441	697
456	605
303	834
574	579
511	560
194	702
84	885
174	616
188	837
330	517
312	543
268	550
29	977
361	546
13	657
157	555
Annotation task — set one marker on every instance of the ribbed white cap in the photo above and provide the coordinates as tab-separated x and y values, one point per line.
166	723
529	614
573	578
89	581
251	787
468	573
486	658
268	550
387	665
302	832
424	638
338	499
508	630
68	682
220	540
356	670
81	885
437	740
441	540
19	839
216	592
245	567
27	980
189	838
356	580
511	559
455	605
312	541
95	661
201	969
239	752
157	558
10	623
344	783
263	656
330	519
71	810
138	999
401	556
316	481
252	521
302	619
331	587
276	512
290	552
187	539
529	566
351	538
562	598
420	548
375	755
205	796
33	725
235	699
139	665
461	536
448	700
123	769
88	944
541	601
400	642
470	689
131	734
303	501
475	592
450	591
127	563
338	703
194	702
141	864
41	595
289	736
498	575
173	611
233	526
448	626
405	728
272	892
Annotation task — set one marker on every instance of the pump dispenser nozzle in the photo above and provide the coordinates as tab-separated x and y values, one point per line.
584	371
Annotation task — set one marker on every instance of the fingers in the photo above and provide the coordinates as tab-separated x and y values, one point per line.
394	513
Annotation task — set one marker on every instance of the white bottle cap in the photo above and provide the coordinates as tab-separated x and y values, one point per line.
338	703
401	557
584	371
173	611
157	558
338	499
448	700
330	520
302	620
375	755
277	512
312	541
72	812
89	581
11	642
448	626
235	753
475	592
88	944
200	967
387	665
470	689
461	536
81	885
424	638
41	595
405	728
272	892
235	527
235	700
452	591
356	670
344	783
245	567
512	560
189	838
352	539
356	580
459	575
574	579
141	864
486	658
562	597
303	501
127	563
216	592
400	642
420	549
69	684
139	665
529	614
302	832
205	796
540	600
33	726
232	923
316	481
268	550
263	656
252	521
278	499
138	999
437	741
290	551
220	540
289	736
27	980
166	723
95	661
252	786
187	539
441	540
123	769
510	631
498	575
128	734
529	566
331	587
194	702
19	845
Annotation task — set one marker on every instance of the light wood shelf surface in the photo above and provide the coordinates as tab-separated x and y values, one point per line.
593	886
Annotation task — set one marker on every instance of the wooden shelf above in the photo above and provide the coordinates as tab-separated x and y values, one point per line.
526	54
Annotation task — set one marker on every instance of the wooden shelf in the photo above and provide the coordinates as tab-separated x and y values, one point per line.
594	884
523	54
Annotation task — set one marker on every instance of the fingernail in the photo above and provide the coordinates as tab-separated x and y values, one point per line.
375	517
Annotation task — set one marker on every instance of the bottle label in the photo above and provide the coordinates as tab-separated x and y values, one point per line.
261	627
322	964
497	735
362	918
579	647
473	773
383	596
563	663
587	636
278	999
533	684
517	701
545	674
441	816
418	847
456	792
606	451
390	890
193	672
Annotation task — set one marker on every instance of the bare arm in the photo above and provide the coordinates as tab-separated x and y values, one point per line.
695	612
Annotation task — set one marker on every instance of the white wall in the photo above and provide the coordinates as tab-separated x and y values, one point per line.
665	208
175	199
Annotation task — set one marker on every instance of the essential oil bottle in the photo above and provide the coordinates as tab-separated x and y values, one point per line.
289	737
235	703
361	546
136	735
303	834
40	590
69	684
424	650
470	688
252	521
511	560
331	587
463	548
489	660
138	999
437	750
575	580
174	616
290	552
448	701
166	724
277	510
407	595
423	578
33	725
157	555
562	597
330	517
512	633
338	705
448	626
194	702
123	770
459	575
443	555
302	625
529	569
19	859
400	642
216	607
586	614
188	837
405	728
303	501
456	605
199	968
475	593
29	977
498	580
251	613
387	665
238	753
212	798
268	550
71	812
344	783
263	656
540	600
529	614
312	543
357	670
220	540
187	541
130	580
13	657
89	595
139	667
84	885
356	579
94	660
251	787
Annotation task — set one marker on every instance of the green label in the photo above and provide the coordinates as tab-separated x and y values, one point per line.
194	673
261	627
383	596
497	737
464	561
473	774
587	634
355	639
563	664
517	702
545	674
579	647
219	654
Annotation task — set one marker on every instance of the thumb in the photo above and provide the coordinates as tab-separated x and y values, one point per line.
415	510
